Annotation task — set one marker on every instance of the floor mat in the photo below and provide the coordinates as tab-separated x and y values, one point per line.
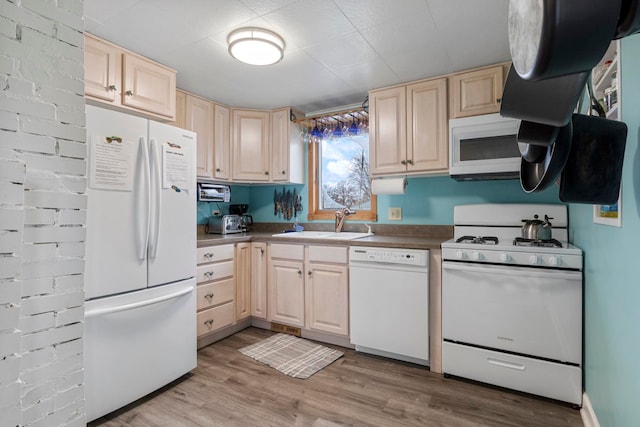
295	357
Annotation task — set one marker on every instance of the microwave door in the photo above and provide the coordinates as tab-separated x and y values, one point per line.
488	148
484	149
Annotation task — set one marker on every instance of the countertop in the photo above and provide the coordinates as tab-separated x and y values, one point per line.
376	240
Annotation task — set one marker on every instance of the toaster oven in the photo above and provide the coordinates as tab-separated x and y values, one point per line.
224	224
208	192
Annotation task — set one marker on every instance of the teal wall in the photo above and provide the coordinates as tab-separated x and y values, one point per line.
427	201
612	276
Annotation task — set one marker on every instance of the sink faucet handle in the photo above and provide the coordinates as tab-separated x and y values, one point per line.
368	228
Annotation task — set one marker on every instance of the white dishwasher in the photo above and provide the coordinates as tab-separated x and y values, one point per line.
389	302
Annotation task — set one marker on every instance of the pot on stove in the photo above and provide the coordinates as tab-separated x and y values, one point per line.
536	229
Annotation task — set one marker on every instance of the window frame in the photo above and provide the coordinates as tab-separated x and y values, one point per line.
315	213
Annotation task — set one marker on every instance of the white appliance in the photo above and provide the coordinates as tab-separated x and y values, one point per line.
140	310
484	147
512	307
389	302
210	192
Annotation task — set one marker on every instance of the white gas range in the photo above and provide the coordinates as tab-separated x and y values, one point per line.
511	307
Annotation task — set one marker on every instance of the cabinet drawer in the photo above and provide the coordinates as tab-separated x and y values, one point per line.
334	254
279	250
220	270
215	318
214	253
215	293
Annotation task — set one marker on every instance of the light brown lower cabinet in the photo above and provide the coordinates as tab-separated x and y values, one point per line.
243	280
215	288
308	287
327	290
259	280
285	287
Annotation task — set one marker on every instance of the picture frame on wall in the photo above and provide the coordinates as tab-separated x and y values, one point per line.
609	214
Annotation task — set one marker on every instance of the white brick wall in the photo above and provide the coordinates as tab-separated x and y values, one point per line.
42	212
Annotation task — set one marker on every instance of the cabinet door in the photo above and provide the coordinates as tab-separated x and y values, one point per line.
388	131
476	92
259	280
250	145
280	145
148	86
181	110
327	298
199	113
286	292
221	142
243	280
427	125
101	69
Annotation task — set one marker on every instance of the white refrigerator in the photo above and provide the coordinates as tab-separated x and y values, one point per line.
140	309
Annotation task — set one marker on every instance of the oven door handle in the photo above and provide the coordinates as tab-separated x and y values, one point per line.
519	271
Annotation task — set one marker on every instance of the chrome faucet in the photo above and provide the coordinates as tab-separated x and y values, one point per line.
341	215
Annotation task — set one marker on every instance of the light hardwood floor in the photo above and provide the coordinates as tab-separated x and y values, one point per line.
230	389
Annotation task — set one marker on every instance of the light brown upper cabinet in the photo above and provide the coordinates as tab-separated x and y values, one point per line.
124	79
408	129
287	148
266	147
199	118
221	142
250	145
102	69
476	92
181	110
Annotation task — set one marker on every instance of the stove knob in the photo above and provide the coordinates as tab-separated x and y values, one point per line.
555	261
534	259
461	255
476	256
505	257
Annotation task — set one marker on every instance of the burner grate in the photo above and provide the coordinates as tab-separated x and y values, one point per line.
481	240
546	243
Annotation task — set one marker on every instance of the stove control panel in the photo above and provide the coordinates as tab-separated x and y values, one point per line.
558	258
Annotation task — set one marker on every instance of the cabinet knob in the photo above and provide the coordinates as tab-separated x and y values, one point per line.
404	162
111	88
217	169
499	100
209	297
266	173
208	255
309	273
410	162
208	274
208	323
283	173
128	93
299	273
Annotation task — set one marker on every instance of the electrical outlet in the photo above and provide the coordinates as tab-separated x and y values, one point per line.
395	214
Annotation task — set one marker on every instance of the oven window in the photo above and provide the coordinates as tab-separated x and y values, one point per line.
494	147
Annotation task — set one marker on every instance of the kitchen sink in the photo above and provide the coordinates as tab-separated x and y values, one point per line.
345	235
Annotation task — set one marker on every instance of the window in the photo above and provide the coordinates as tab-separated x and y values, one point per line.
339	177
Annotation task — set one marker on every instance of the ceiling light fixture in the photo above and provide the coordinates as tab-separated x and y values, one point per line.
256	46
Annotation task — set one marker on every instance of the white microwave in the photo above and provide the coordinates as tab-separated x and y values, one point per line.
484	147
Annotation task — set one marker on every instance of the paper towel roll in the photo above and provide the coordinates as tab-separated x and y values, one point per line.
388	185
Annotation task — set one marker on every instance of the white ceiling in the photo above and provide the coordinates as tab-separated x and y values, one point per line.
336	50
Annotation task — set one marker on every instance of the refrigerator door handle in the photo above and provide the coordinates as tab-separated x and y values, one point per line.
138	304
143	217
156	187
